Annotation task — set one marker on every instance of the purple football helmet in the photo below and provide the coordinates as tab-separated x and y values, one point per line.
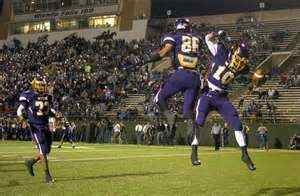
183	24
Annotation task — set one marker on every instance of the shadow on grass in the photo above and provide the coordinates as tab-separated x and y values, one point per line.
14	183
62	179
19	167
11	170
10	164
278	191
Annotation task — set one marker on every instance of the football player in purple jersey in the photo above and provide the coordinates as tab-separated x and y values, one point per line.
183	46
35	110
227	63
68	133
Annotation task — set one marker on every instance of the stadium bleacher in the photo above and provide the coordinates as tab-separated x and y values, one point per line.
267	28
287	105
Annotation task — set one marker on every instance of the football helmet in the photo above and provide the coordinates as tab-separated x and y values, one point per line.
183	24
240	59
39	85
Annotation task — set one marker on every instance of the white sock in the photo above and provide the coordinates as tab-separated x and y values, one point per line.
240	139
195	141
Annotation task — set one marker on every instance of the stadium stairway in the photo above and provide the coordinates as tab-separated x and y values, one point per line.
130	102
297	48
287	105
292	27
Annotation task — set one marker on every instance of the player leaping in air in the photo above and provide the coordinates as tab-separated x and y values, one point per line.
35	110
227	63
183	45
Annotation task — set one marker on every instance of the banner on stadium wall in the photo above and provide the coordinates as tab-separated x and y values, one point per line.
113	9
64	13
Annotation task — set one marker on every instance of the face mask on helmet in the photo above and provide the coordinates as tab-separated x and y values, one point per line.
182	24
240	59
39	85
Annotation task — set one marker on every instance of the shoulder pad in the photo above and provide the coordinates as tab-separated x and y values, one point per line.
26	96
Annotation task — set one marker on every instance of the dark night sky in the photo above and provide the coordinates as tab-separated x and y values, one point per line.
1	5
205	7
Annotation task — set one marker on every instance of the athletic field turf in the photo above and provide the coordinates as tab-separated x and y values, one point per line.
148	170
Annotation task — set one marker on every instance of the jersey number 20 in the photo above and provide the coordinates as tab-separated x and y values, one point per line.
190	44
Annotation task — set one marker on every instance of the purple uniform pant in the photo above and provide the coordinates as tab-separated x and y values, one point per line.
185	81
42	137
67	137
214	101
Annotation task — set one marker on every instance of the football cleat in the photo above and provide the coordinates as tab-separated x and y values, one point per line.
194	156
29	166
246	159
49	179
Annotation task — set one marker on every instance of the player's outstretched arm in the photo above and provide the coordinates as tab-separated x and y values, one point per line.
159	55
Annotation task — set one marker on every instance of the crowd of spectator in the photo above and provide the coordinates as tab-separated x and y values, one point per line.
262	107
99	131
155	133
290	78
86	78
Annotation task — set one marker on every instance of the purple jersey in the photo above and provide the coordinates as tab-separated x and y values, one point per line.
37	107
185	48
218	73
221	74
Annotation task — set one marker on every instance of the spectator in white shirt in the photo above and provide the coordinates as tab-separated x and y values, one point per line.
216	133
139	133
116	137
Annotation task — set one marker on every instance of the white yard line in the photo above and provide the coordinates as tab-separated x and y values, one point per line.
122	157
140	156
92	149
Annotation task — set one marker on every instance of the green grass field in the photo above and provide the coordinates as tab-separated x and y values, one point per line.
148	170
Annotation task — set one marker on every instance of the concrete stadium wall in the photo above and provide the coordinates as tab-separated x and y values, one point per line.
260	15
138	32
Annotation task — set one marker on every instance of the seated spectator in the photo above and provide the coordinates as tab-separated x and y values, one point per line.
262	94
241	102
283	78
273	93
